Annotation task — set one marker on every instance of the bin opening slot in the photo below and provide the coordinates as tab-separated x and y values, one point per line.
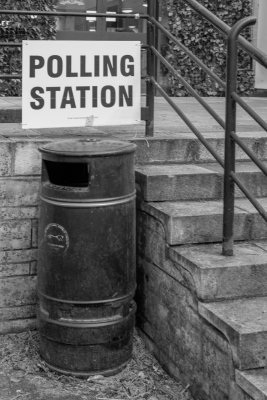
67	174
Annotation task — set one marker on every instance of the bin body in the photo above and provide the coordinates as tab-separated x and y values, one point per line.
86	271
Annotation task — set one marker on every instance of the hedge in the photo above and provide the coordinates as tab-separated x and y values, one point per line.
16	28
196	33
208	44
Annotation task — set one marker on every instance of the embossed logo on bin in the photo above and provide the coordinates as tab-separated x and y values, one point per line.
57	237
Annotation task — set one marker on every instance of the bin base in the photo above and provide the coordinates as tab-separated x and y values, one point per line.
81	374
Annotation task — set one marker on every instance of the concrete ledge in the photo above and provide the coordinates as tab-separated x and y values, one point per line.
244	323
194	182
217	277
177	182
201	222
202	268
253	382
193	222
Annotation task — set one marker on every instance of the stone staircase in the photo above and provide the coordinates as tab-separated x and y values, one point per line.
203	315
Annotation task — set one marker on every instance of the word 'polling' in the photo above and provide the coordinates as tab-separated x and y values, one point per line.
104	65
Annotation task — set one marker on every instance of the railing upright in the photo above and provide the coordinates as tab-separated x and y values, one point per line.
230	128
101	22
151	68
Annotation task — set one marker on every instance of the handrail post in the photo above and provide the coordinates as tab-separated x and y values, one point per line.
101	23
151	70
230	126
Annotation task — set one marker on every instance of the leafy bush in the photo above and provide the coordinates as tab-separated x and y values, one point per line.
15	28
196	33
206	43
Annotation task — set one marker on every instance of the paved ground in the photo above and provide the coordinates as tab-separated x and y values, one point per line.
167	123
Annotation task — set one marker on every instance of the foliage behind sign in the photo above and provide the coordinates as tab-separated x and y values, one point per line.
14	28
204	41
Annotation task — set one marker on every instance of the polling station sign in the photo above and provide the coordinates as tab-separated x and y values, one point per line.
80	83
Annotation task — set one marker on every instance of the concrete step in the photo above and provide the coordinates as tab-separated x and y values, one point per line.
244	323
215	277
164	147
253	382
201	221
186	148
192	182
10	109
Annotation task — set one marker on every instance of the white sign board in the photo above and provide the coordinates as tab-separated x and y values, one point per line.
261	72
80	83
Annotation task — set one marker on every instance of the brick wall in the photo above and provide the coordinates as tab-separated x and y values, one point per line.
19	186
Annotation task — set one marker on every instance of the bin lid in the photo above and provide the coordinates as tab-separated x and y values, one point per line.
87	147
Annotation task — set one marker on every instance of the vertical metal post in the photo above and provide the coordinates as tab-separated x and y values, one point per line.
150	100
119	20
158	37
229	154
101	23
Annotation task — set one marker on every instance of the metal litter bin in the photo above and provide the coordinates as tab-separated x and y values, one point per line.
86	271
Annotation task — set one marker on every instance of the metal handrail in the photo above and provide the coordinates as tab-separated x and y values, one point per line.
10	44
73	14
10	76
154	52
230	178
232	98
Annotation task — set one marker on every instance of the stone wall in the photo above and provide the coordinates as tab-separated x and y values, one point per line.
19	187
188	347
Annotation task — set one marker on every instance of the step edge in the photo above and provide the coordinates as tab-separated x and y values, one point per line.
249	387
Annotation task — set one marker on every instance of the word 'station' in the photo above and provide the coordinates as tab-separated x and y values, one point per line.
80	83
